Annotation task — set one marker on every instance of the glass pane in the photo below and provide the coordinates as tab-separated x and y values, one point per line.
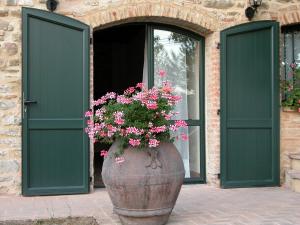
288	54
297	48
176	59
189	150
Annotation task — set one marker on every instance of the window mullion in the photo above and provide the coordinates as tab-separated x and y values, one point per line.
150	55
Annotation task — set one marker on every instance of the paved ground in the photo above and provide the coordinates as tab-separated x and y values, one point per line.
197	205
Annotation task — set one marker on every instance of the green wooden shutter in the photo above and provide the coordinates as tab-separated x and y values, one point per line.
250	105
56	78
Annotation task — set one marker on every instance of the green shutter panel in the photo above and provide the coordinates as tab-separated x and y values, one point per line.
249	105
56	79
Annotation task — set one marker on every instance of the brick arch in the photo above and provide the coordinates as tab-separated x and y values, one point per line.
195	18
289	18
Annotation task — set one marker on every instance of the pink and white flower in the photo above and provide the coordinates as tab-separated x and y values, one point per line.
88	114
129	91
104	153
134	142
159	129
118	118
180	123
153	143
123	100
111	95
151	105
134	130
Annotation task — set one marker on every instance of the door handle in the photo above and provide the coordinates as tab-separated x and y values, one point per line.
27	102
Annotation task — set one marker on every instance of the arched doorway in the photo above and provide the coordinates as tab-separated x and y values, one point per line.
130	53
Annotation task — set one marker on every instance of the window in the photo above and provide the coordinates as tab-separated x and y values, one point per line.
180	56
290	80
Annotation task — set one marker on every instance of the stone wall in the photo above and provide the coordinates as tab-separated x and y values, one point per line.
206	17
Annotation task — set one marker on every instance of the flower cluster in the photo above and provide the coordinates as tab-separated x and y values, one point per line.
290	88
139	118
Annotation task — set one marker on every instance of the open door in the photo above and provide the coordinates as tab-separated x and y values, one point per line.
250	105
55	97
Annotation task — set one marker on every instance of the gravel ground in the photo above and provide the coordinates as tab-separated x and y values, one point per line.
63	221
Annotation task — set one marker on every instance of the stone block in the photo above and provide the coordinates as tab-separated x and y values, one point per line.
25	2
4	105
3	12
11	2
14	62
11	120
5	179
4	88
11	48
9	166
3	25
218	4
15	12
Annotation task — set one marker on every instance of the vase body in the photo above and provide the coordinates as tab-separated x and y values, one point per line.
144	188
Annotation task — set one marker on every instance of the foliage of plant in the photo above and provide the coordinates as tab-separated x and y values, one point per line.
139	118
290	88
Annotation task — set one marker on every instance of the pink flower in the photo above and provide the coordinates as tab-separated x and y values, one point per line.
162	73
173	127
134	142
153	143
129	91
293	65
180	123
123	100
119	121
151	105
140	85
184	137
158	129
118	118
100	101
104	153
119	160
298	109
88	114
91	134
299	101
134	130
111	95
90	123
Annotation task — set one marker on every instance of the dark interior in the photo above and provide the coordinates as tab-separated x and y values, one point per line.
118	64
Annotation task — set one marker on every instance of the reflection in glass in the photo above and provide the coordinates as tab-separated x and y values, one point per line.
297	48
176	59
288	52
189	150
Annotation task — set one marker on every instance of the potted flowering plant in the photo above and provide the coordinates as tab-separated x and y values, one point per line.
142	170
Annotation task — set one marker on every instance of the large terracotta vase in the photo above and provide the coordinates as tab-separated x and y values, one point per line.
145	187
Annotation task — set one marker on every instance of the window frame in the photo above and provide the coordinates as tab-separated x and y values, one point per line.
289	30
150	27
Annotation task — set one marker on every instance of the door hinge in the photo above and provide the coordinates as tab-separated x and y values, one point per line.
218	45
91	179
91	40
218	112
219	176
